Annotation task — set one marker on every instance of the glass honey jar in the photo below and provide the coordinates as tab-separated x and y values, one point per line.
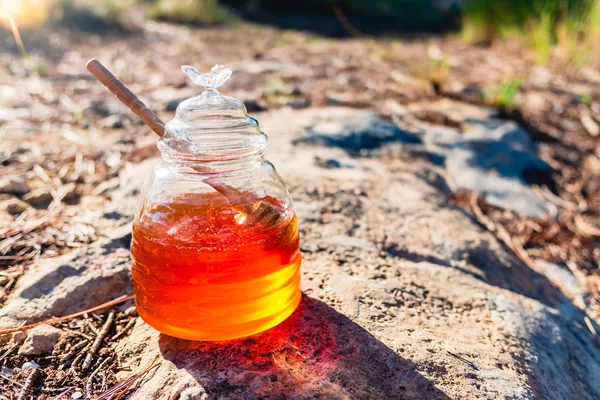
215	248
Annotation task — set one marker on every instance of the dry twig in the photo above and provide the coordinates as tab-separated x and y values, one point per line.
501	232
91	325
469	363
75	362
346	22
90	381
123	331
98	342
7	352
585	228
56	320
75	350
28	385
589	325
61	395
76	333
10	380
121	388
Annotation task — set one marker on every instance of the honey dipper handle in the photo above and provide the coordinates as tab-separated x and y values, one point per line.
117	88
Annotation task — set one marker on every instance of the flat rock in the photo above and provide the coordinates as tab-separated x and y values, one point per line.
78	280
481	152
405	297
498	159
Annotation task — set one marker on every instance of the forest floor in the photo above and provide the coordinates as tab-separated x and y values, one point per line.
64	141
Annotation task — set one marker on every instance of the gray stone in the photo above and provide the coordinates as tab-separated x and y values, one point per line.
19	337
254	104
40	340
298	102
490	156
27	365
362	131
497	159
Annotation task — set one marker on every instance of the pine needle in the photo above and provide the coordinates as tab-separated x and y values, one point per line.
56	320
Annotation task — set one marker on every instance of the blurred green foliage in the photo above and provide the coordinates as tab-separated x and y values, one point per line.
572	24
189	11
84	10
505	94
101	15
585	99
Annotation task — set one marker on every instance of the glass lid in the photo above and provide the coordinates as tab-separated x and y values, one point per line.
211	127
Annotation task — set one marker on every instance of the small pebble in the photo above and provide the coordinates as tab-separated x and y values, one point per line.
19	337
131	311
30	365
40	340
192	394
298	102
77	395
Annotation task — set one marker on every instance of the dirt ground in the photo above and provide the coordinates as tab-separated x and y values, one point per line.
64	140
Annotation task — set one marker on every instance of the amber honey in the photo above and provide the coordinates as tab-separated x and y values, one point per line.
203	271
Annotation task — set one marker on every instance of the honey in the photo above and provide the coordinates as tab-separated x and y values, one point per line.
199	274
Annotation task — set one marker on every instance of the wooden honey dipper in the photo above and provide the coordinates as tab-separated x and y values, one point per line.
132	102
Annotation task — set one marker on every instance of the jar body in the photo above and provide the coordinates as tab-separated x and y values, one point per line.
215	257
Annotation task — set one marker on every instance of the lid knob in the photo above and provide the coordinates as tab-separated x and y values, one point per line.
217	76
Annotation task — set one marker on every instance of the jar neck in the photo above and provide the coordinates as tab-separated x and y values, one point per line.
193	164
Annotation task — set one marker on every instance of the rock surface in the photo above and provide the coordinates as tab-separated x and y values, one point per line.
405	295
78	280
481	152
487	155
40	340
